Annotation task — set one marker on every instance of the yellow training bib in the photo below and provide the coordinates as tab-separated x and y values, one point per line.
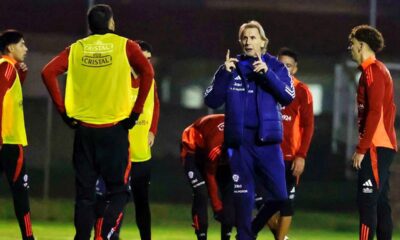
98	89
138	136
13	124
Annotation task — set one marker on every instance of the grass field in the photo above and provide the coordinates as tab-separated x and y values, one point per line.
64	231
53	221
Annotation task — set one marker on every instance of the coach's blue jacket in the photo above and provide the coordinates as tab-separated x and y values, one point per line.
274	88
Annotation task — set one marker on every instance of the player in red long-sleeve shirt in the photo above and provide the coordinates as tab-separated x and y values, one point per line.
12	127
99	105
298	129
377	142
207	169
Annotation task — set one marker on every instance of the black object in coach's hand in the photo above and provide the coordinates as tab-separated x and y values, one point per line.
130	122
71	122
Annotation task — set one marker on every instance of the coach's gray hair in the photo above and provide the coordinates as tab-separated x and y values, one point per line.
257	25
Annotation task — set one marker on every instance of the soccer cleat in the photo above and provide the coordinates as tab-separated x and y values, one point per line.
286	238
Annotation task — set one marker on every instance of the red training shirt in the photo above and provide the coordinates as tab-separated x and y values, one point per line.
203	139
376	107
298	123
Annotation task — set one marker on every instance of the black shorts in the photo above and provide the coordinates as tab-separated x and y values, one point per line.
290	180
262	194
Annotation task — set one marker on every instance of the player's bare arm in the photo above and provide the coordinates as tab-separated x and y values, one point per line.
151	138
357	159
298	166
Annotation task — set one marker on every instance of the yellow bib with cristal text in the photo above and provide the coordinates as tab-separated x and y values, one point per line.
98	89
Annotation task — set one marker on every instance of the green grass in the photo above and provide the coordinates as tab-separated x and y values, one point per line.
54	221
64	231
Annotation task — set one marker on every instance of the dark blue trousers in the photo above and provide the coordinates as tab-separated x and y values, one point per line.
255	160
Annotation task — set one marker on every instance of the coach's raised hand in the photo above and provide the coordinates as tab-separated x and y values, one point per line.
230	62
259	65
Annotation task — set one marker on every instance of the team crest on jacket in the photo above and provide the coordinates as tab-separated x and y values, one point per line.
235	177
190	174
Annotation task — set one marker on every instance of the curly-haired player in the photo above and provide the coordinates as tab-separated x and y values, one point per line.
377	143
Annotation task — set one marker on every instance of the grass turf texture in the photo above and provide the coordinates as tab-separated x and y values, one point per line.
53	221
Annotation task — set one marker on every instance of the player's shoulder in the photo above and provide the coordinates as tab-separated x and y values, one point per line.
211	119
132	44
208	122
378	67
302	90
8	71
5	64
303	87
6	68
300	84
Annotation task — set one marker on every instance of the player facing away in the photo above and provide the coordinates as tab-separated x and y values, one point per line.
99	106
298	129
141	138
206	167
253	86
377	143
12	126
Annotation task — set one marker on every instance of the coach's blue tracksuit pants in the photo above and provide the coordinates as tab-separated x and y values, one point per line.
255	160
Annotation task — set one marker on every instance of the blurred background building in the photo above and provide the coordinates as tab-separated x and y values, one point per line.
190	39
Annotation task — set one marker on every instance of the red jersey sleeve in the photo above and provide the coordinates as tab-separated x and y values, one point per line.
7	75
143	68
156	111
7	78
375	89
57	66
306	120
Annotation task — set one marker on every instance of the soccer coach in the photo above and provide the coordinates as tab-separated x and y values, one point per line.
99	106
252	87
